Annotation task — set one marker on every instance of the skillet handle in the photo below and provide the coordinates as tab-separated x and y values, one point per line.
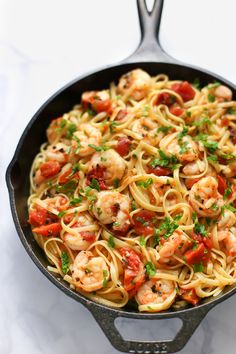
149	48
190	321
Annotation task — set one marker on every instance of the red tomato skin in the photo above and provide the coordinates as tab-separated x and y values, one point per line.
176	110
199	238
197	255
191	181
123	146
98	174
184	89
121	114
67	176
48	230
159	171
147	227
102	105
38	217
88	236
50	168
165	98
221	185
190	296
132	259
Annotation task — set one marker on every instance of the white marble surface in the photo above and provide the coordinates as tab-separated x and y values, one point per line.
44	44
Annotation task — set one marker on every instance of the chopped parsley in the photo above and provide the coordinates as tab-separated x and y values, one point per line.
65	262
133	205
98	148
231	110
75	201
183	133
214	85
198	267
200	229
228	207
142	241
116	223
165	161
150	269
211	146
61	214
67	188
94	184
163	129
113	125
196	83
78	144
145	184
70	130
212	158
211	98
168	226
227	192
202	121
105	280
111	242
116	183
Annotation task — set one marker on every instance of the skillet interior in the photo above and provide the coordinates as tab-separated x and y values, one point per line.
34	136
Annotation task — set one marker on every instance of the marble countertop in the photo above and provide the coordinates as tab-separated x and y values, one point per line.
43	45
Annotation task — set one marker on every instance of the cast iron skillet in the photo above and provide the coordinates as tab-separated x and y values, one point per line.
150	57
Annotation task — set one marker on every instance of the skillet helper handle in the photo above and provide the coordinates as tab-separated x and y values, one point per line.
190	321
149	48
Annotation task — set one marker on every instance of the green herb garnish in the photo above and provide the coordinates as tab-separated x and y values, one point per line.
67	188
65	263
163	129
111	242
150	269
145	184
198	268
142	241
75	201
105	280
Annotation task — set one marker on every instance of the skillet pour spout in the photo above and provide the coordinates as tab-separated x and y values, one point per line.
149	56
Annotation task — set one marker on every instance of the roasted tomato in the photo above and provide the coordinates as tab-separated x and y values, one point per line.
184	89
123	146
48	230
190	296
189	182
165	98
134	274
98	174
221	185
67	176
50	168
99	101
38	216
144	222
176	110
159	171
197	255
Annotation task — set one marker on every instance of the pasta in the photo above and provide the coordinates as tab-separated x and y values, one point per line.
133	196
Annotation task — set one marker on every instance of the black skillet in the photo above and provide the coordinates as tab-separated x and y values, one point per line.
150	57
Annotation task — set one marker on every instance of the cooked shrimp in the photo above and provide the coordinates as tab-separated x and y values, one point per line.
99	101
226	220
113	207
159	293
89	273
137	82
230	170
86	135
194	168
176	244
223	92
229	240
53	129
146	128
80	237
58	203
57	152
187	150
205	198
111	163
